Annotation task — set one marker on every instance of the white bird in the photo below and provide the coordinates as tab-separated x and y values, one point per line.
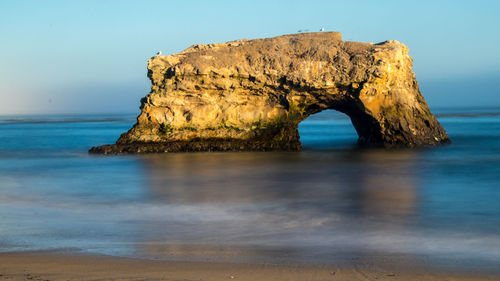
322	29
159	53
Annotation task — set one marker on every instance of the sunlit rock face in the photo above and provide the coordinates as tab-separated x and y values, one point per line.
252	94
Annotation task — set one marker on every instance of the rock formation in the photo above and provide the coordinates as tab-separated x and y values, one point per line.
252	94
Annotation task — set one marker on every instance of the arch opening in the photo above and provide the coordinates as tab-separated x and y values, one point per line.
342	106
328	129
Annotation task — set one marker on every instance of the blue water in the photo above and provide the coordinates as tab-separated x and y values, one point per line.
330	204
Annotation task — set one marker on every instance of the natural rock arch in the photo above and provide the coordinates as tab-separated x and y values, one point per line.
252	94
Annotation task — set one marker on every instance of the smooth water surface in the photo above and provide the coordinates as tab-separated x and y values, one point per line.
330	204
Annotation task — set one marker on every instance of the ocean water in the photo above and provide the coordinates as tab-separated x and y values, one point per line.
329	204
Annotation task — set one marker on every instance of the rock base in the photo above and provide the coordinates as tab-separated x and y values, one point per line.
195	146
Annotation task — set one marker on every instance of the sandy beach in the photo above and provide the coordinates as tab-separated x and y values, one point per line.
64	266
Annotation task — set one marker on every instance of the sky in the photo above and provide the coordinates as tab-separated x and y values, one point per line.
89	56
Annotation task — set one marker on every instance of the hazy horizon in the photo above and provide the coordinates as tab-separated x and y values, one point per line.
90	57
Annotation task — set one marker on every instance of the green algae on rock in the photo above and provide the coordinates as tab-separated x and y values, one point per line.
252	94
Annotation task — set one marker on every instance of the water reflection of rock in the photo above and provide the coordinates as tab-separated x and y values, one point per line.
374	182
218	177
296	201
387	185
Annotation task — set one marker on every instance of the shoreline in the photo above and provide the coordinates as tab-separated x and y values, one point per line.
55	265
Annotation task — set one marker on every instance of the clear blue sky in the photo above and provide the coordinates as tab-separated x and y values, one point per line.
90	56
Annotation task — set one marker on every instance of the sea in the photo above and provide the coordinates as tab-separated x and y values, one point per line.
330	204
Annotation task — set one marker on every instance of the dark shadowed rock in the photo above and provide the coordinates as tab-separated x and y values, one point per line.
252	94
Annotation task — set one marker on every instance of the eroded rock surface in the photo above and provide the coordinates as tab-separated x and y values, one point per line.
252	94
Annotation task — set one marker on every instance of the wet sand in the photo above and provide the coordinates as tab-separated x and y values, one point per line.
69	266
